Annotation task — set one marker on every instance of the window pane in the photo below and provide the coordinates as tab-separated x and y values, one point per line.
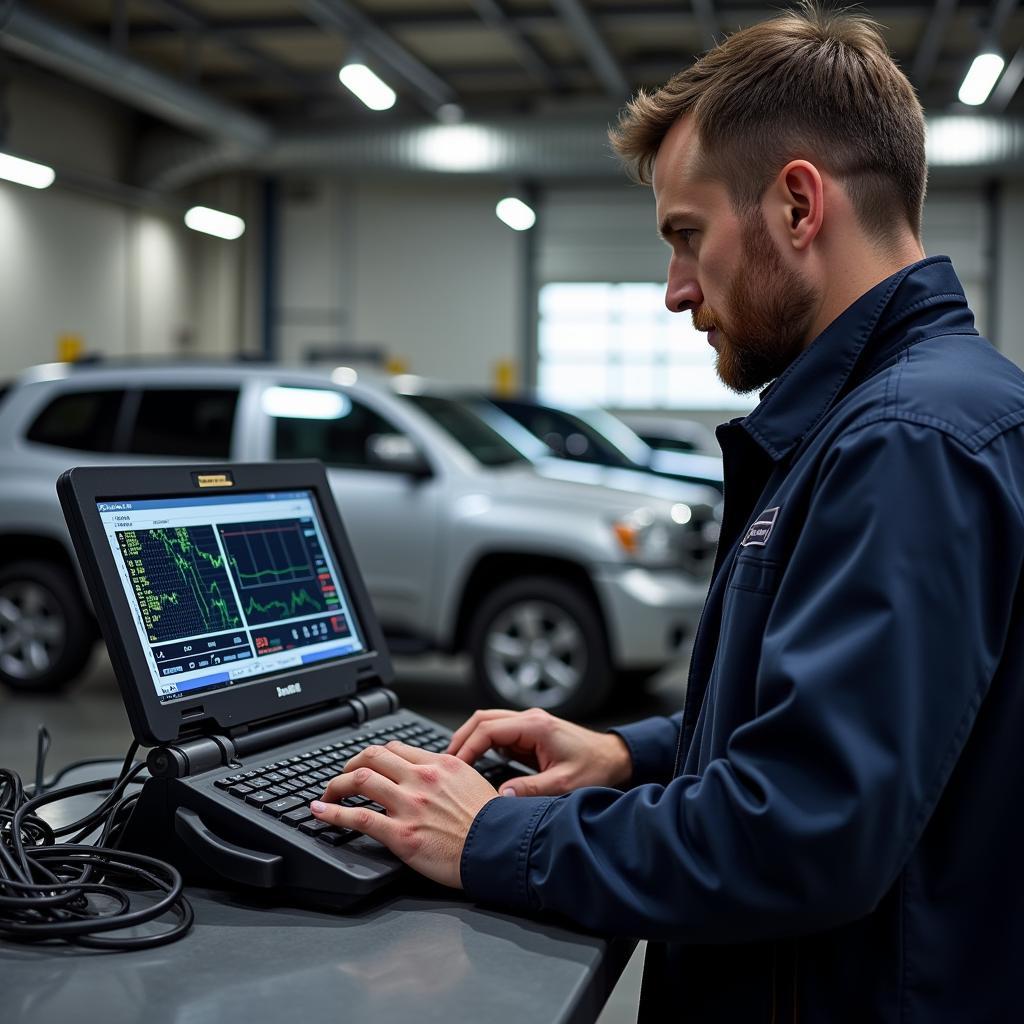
613	344
186	422
85	420
338	442
466	426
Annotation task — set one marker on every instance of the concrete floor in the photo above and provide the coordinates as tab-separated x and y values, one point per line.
89	721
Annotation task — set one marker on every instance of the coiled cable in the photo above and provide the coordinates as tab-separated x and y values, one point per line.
66	891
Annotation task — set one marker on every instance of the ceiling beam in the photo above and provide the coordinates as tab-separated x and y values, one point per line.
638	15
185	17
1010	81
601	58
495	16
42	41
430	90
1002	10
936	28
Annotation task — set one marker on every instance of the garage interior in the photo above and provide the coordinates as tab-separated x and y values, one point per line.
367	240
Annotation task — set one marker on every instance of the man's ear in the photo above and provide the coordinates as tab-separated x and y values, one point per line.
800	199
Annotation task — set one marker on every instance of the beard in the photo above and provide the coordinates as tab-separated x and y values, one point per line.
769	316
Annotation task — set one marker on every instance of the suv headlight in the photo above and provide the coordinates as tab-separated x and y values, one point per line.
684	538
645	538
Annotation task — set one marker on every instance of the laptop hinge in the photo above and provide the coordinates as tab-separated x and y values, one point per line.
376	703
191	757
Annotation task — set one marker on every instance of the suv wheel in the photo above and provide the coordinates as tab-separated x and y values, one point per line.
46	635
538	642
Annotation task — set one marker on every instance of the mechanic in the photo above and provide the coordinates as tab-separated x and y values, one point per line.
831	829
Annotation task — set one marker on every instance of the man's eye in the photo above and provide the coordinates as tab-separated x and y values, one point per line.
686	234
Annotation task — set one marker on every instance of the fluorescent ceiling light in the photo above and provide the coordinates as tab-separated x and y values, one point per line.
306	403
25	172
457	147
516	214
981	78
373	91
214	222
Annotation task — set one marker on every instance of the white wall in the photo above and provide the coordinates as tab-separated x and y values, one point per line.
127	280
422	270
1009	327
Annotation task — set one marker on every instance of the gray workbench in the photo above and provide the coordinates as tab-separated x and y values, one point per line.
408	959
413	956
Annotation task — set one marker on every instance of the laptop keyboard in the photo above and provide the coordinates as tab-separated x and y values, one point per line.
285	788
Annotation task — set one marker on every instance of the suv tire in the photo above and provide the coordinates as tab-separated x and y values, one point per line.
46	634
539	642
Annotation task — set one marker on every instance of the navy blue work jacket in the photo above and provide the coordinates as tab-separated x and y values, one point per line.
833	829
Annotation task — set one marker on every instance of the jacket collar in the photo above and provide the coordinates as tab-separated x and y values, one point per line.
923	300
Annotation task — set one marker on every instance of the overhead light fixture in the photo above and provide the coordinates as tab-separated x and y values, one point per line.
373	91
981	78
25	172
515	213
214	222
450	113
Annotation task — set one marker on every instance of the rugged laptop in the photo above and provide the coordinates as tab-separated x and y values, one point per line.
250	659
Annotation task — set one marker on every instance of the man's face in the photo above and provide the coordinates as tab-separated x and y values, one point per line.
727	270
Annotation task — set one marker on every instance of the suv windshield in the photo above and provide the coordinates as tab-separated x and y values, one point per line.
484	443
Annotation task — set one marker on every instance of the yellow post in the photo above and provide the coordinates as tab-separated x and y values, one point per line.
70	347
505	378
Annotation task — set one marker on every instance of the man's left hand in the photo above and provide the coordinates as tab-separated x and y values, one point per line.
431	800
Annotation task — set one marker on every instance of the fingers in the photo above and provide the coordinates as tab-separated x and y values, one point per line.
414	755
371	823
385	761
364	782
550	783
519	731
471	724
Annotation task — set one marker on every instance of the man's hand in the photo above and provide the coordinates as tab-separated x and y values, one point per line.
567	756
431	800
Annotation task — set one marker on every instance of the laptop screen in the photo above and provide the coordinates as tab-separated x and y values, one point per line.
229	589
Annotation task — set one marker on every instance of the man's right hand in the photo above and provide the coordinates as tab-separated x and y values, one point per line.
566	756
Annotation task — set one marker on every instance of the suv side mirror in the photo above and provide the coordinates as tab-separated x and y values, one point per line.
397	454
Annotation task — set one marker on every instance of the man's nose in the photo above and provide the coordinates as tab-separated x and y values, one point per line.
683	292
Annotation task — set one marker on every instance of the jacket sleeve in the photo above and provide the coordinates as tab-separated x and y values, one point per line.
885	632
653	745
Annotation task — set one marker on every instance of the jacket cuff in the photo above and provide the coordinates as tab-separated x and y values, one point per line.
652	746
495	858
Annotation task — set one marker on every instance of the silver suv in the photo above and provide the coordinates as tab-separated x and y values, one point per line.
554	588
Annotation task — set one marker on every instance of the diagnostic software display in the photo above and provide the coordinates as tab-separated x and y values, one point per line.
229	589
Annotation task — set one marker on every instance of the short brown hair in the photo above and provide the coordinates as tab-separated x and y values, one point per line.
809	83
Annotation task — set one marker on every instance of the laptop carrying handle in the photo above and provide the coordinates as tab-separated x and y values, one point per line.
249	867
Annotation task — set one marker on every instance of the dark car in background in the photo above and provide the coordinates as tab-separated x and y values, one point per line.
596	436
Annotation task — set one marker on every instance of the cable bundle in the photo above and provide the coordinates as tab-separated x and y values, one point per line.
51	890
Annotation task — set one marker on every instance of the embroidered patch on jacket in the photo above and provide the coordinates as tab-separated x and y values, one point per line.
759	533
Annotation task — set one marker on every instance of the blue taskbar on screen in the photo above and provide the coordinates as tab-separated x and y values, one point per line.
229	589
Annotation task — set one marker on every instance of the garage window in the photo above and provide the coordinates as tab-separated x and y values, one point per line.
83	420
616	345
192	422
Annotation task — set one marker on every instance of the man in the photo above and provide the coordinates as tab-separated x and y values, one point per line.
832	828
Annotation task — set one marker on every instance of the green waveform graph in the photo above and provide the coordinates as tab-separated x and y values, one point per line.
180	581
278	568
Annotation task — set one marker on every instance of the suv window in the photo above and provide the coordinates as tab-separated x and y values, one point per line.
341	441
467	426
184	421
85	420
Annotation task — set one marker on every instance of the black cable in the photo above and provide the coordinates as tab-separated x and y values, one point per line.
66	891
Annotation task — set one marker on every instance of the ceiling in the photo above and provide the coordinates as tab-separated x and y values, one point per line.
278	60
